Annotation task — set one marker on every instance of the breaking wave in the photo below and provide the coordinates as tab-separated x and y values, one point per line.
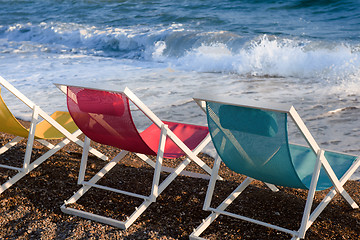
192	50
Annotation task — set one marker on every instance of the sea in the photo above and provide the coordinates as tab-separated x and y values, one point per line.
304	53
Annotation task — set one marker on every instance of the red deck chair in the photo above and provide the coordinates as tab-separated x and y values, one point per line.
105	117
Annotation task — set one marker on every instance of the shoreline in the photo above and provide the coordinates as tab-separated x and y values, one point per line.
31	208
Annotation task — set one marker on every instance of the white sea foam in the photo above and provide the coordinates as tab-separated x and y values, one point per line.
337	64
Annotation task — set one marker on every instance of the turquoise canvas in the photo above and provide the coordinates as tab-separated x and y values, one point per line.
254	142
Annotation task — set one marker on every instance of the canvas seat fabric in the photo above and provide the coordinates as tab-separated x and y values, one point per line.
254	142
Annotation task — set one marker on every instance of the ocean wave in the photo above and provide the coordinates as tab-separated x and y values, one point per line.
275	57
191	50
75	38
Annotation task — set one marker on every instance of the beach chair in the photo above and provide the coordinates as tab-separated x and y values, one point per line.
251	138
105	117
57	126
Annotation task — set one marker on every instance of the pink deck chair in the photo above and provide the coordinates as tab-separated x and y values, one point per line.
105	117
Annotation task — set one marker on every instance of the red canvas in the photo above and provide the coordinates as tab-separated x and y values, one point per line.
105	117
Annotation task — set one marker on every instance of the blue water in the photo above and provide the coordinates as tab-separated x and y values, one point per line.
300	52
126	29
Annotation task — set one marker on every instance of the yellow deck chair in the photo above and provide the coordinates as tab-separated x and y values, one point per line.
57	126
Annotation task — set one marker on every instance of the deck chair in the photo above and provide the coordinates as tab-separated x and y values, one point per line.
252	139
57	126
105	117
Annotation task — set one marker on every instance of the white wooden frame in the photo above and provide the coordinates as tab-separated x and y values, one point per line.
308	216
157	188
36	113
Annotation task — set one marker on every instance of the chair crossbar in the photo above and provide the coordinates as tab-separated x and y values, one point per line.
187	173
170	170
11	167
253	221
191	237
10	144
272	187
45	143
146	159
92	216
115	190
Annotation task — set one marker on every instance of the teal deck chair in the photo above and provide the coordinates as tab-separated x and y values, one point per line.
252	139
